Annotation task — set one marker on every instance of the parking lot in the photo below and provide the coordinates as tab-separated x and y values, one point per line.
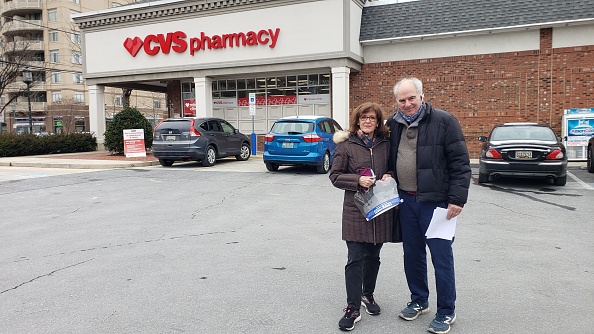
235	248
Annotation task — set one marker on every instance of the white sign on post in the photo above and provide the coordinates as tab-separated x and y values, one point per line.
252	104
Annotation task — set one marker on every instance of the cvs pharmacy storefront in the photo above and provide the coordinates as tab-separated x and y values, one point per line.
208	56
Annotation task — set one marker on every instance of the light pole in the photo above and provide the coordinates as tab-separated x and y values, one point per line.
28	79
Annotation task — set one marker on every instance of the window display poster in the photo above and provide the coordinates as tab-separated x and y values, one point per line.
134	143
189	107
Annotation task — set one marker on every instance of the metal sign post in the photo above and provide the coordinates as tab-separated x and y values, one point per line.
252	113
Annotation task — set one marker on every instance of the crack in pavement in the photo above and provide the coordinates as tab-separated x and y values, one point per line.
44	275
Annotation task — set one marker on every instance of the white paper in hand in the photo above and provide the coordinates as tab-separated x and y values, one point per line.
440	227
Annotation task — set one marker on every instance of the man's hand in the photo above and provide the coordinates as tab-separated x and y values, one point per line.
453	211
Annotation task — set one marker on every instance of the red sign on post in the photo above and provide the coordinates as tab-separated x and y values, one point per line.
134	143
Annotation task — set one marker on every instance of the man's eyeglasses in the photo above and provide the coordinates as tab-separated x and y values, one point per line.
367	118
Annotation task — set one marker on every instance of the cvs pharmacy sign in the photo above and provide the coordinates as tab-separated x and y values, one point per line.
180	42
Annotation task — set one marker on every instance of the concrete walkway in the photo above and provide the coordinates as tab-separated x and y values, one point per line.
85	160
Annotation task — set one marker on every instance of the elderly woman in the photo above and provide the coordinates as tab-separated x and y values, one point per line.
361	150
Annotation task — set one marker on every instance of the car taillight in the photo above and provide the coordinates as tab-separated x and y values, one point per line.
193	131
311	138
493	154
555	155
156	127
269	137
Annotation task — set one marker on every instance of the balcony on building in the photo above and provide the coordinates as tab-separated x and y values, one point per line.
20	7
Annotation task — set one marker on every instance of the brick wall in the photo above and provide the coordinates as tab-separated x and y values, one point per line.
484	90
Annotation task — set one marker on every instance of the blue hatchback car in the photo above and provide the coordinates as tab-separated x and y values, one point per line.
301	140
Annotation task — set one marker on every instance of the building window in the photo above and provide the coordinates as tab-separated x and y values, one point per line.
76	57
118	101
55	77
57	96
79	97
53	36
75	38
52	15
35	16
54	56
156	104
77	78
75	1
38	56
79	124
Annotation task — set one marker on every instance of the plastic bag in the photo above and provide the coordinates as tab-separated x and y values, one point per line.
378	199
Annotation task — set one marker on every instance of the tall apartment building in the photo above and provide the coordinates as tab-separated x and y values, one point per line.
42	32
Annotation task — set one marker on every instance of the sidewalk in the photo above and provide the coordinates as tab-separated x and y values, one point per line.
84	160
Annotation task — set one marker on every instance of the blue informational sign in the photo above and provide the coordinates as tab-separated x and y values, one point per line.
580	127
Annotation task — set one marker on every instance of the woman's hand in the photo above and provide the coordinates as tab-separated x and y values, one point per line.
366	181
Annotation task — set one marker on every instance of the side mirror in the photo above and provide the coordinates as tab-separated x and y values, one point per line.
482	138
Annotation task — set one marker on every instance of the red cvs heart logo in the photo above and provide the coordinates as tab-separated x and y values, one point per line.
133	45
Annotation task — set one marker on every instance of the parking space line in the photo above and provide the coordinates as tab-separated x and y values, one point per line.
584	184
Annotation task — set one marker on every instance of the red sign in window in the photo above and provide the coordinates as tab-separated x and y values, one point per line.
189	107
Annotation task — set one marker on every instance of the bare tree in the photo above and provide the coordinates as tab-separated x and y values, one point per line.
67	109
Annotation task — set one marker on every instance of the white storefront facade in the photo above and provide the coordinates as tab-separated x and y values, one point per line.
297	56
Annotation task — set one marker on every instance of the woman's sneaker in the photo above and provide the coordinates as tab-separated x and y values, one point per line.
371	307
441	323
413	310
351	316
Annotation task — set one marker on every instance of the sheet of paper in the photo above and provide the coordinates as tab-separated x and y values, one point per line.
440	227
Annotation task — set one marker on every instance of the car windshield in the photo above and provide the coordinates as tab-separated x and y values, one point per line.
292	128
523	133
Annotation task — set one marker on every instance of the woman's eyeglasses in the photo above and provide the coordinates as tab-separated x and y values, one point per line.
367	118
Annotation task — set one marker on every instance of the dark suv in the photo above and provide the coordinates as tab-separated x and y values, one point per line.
199	139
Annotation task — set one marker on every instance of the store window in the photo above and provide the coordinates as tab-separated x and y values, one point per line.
79	124
277	90
58	125
188	99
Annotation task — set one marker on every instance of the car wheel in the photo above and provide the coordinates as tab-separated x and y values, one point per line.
325	166
483	178
271	166
210	158
166	162
560	181
590	157
245	152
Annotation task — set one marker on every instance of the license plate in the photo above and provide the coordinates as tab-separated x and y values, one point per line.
287	145
523	154
169	138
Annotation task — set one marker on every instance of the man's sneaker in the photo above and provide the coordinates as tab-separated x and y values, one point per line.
351	316
371	307
413	310
441	323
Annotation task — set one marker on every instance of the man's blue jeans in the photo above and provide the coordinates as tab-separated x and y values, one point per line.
414	219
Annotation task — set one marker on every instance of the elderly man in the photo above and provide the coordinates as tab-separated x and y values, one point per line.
430	159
